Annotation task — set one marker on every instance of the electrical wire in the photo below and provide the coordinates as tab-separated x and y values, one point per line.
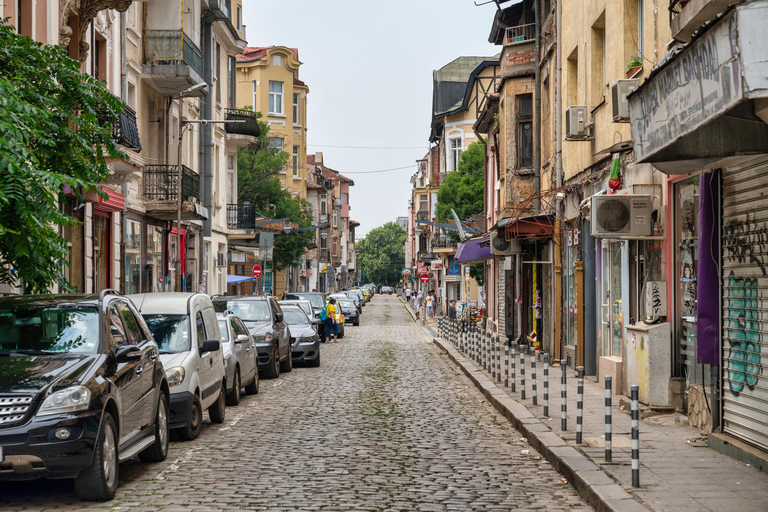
366	147
382	170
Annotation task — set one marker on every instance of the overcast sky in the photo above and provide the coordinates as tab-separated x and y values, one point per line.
368	65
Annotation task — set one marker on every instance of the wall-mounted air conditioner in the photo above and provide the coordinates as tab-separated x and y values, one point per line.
502	247
576	123
626	216
619	92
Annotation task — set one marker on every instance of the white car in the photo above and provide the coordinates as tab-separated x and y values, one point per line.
186	330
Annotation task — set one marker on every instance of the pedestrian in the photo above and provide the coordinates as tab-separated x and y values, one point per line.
328	316
417	304
452	309
408	294
431	305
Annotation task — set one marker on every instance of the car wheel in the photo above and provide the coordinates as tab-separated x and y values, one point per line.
233	397
273	370
99	481
356	323
316	362
195	425
217	411
158	451
253	387
341	331
287	365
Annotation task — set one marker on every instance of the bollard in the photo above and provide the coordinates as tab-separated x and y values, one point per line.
506	365
634	391
512	363
534	395
579	404
498	358
563	398
494	357
546	384
522	372
608	419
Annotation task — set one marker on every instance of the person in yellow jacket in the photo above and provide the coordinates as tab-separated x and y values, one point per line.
331	327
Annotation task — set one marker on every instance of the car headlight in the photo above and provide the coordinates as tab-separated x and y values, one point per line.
259	338
175	375
76	398
268	337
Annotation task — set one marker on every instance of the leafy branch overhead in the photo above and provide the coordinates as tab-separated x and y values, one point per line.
55	130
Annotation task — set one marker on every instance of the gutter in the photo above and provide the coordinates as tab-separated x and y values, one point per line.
537	108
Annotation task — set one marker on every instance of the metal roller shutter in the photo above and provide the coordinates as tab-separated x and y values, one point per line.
745	300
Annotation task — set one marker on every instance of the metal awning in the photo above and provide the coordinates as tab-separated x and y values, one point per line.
477	249
231	279
530	228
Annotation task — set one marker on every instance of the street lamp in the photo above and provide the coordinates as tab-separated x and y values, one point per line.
287	227
417	230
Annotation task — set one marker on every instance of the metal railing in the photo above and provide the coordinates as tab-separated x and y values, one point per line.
126	131
422	216
676	7
250	126
161	183
519	34
241	216
443	243
172	47
324	255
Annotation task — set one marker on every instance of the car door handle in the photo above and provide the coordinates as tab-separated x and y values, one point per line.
210	362
139	370
153	356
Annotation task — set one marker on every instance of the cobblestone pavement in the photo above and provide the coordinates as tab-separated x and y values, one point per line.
384	424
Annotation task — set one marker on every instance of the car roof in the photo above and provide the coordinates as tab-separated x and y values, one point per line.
51	299
168	303
225	298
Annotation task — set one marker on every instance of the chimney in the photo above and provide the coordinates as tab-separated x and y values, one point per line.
319	158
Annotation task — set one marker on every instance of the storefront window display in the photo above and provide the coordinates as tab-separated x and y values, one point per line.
155	275
133	255
571	310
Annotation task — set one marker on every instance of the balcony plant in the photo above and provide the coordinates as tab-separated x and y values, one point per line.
635	66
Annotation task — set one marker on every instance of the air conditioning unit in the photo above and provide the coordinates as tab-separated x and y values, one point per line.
502	247
619	92
327	184
338	202
576	123
221	259
626	216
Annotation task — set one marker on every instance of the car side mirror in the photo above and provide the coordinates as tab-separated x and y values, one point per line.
242	338
127	353
278	317
316	321
210	346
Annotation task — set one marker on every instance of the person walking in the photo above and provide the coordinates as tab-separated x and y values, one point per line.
408	295
417	304
328	316
452	309
431	305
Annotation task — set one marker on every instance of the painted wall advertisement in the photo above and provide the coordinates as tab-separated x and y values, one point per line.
702	82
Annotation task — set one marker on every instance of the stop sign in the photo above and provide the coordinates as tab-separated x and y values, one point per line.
424	278
256	271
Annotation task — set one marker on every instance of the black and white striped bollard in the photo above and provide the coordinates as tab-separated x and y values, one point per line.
608	420
534	394
506	365
579	404
493	356
546	384
512	363
522	372
499	352
634	391
563	398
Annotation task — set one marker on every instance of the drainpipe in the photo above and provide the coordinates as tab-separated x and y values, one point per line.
123	59
537	107
207	129
558	175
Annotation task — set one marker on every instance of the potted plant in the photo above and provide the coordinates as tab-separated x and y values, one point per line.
635	67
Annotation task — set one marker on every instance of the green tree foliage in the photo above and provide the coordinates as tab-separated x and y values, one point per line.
381	254
463	192
55	130
258	182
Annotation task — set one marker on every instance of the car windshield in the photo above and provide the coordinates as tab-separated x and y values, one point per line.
307	308
347	304
171	332
250	310
36	329
223	330
295	317
315	299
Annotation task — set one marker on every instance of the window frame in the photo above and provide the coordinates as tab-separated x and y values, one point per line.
454	153
296	173
276	106
522	120
296	108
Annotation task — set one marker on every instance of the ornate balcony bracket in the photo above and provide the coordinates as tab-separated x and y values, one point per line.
87	10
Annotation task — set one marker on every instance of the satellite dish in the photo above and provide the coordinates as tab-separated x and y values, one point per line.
462	234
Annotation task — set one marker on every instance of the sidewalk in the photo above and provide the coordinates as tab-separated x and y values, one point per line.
677	472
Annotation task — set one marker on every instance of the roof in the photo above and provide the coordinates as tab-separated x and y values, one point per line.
450	83
511	16
253	53
171	303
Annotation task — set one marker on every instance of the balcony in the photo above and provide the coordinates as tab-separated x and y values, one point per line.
173	62
241	216
125	131
687	16
422	216
323	255
443	244
161	193
519	53
245	131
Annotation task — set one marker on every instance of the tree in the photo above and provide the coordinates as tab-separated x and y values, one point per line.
55	130
381	253
463	191
258	182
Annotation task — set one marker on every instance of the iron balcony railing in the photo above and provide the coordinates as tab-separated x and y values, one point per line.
172	47
248	122
675	7
423	216
519	34
241	216
125	131
443	243
161	183
324	255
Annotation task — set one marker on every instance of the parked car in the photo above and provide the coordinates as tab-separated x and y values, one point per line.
355	297
185	328
264	320
240	362
315	298
81	390
350	311
360	295
305	343
339	321
386	289
303	304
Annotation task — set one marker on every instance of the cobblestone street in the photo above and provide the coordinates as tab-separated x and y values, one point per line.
384	424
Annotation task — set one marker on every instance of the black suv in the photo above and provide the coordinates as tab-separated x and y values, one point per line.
81	390
264	320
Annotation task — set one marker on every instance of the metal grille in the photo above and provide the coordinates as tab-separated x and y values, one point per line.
14	439
13	409
520	34
161	183
248	122
172	47
241	216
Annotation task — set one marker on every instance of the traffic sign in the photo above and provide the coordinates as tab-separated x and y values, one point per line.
256	271
421	269
424	278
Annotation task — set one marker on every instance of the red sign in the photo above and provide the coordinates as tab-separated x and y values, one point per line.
256	271
424	278
421	269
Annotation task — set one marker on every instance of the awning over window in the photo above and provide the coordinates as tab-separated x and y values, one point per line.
477	249
530	228
231	279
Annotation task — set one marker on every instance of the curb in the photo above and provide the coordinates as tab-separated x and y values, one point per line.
590	480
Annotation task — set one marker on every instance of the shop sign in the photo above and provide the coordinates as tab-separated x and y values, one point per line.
701	83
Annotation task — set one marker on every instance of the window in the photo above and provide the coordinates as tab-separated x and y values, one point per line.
253	95
295	161
131	96
132	329
525	131
640	27
335	218
133	260
454	156
323	204
276	143
239	18
572	91
231	187
116	328
296	119
217	76
275	97
598	78
231	82
423	204
571	312
200	329
277	60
